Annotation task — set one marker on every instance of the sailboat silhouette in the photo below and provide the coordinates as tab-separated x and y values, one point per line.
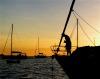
83	63
38	53
15	55
12	58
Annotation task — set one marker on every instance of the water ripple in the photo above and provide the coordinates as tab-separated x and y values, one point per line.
32	69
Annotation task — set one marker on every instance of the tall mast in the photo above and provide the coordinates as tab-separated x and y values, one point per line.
11	37
38	45
71	9
77	32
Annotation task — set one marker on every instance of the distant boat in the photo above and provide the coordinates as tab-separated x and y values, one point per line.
15	55
38	53
12	58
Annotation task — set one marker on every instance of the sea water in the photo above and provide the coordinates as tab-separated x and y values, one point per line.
36	68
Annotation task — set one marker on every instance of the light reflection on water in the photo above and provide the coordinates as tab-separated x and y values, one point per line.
32	69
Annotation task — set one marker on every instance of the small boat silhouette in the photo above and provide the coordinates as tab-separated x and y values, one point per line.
38	53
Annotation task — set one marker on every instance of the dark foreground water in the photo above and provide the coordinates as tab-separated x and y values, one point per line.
32	69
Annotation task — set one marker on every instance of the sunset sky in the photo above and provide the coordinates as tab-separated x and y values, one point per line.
45	19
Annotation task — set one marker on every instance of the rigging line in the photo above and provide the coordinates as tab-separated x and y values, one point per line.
85	21
85	33
73	28
6	40
72	32
74	14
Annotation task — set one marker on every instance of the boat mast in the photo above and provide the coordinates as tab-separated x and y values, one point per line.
77	32
71	9
38	45
11	37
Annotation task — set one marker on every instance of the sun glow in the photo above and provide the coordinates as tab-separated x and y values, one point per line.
46	19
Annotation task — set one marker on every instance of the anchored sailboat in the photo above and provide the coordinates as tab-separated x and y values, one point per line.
15	55
38	53
12	59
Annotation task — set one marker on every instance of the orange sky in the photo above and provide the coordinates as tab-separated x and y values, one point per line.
46	19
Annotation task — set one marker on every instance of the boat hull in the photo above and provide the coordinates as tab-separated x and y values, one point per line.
82	64
73	71
13	61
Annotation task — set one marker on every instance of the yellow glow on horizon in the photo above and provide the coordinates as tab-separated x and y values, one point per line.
41	19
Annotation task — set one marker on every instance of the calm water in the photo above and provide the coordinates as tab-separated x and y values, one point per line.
32	69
